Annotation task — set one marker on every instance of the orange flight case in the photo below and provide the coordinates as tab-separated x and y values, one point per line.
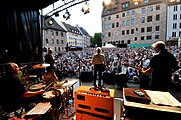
91	104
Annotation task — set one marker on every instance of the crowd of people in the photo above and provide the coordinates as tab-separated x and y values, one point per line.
117	61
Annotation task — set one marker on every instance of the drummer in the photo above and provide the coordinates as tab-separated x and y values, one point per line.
13	91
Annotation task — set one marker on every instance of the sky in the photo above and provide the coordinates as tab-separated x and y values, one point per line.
91	21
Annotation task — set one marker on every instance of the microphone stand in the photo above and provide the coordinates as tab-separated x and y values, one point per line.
79	65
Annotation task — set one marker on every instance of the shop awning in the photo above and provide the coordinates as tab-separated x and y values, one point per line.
140	45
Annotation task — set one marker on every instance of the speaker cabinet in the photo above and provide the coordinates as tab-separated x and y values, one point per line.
89	102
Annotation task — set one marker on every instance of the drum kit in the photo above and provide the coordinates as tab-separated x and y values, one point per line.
41	66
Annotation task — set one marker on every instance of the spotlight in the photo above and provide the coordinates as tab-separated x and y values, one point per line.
66	15
56	14
85	8
50	22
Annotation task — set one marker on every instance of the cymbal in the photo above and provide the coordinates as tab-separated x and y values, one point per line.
44	65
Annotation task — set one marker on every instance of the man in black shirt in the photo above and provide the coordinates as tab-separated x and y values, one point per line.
161	67
12	91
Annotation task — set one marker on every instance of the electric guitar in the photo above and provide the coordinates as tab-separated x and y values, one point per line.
129	65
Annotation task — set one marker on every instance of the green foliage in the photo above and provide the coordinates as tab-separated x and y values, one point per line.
96	39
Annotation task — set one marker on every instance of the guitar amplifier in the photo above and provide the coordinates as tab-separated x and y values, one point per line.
94	104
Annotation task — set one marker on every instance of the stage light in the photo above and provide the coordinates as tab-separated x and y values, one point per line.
85	8
50	22
66	15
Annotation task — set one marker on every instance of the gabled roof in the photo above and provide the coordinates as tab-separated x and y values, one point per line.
71	28
54	26
84	31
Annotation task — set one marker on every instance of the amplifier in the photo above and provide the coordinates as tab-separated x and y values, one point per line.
94	103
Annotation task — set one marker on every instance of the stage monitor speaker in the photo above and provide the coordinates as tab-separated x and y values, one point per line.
86	76
94	103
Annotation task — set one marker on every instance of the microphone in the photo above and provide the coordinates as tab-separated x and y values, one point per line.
23	67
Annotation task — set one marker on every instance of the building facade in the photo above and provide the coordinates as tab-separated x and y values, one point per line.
134	25
54	36
174	22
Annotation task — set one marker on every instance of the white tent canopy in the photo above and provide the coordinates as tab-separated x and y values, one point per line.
108	46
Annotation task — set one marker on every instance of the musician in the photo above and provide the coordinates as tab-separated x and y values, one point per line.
161	67
50	76
13	92
49	58
98	61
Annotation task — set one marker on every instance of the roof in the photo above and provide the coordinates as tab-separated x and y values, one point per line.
27	4
71	28
54	26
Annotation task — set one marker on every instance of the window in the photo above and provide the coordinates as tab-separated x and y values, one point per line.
149	29
109	34
132	21
112	25
179	33
105	18
133	12
56	33
128	14
123	15
146	1
175	8
61	41
174	34
132	31
109	26
61	34
142	30
143	20
149	18
127	31
157	28
123	23
117	16
157	17
46	40
148	37
117	24
179	25
105	26
125	5
142	37
143	10
135	38
109	18
127	22
157	7
157	37
58	41
175	17
174	25
150	9
123	32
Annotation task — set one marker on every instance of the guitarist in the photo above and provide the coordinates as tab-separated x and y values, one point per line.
161	67
99	63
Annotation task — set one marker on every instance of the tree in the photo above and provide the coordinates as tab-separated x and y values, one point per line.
96	39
